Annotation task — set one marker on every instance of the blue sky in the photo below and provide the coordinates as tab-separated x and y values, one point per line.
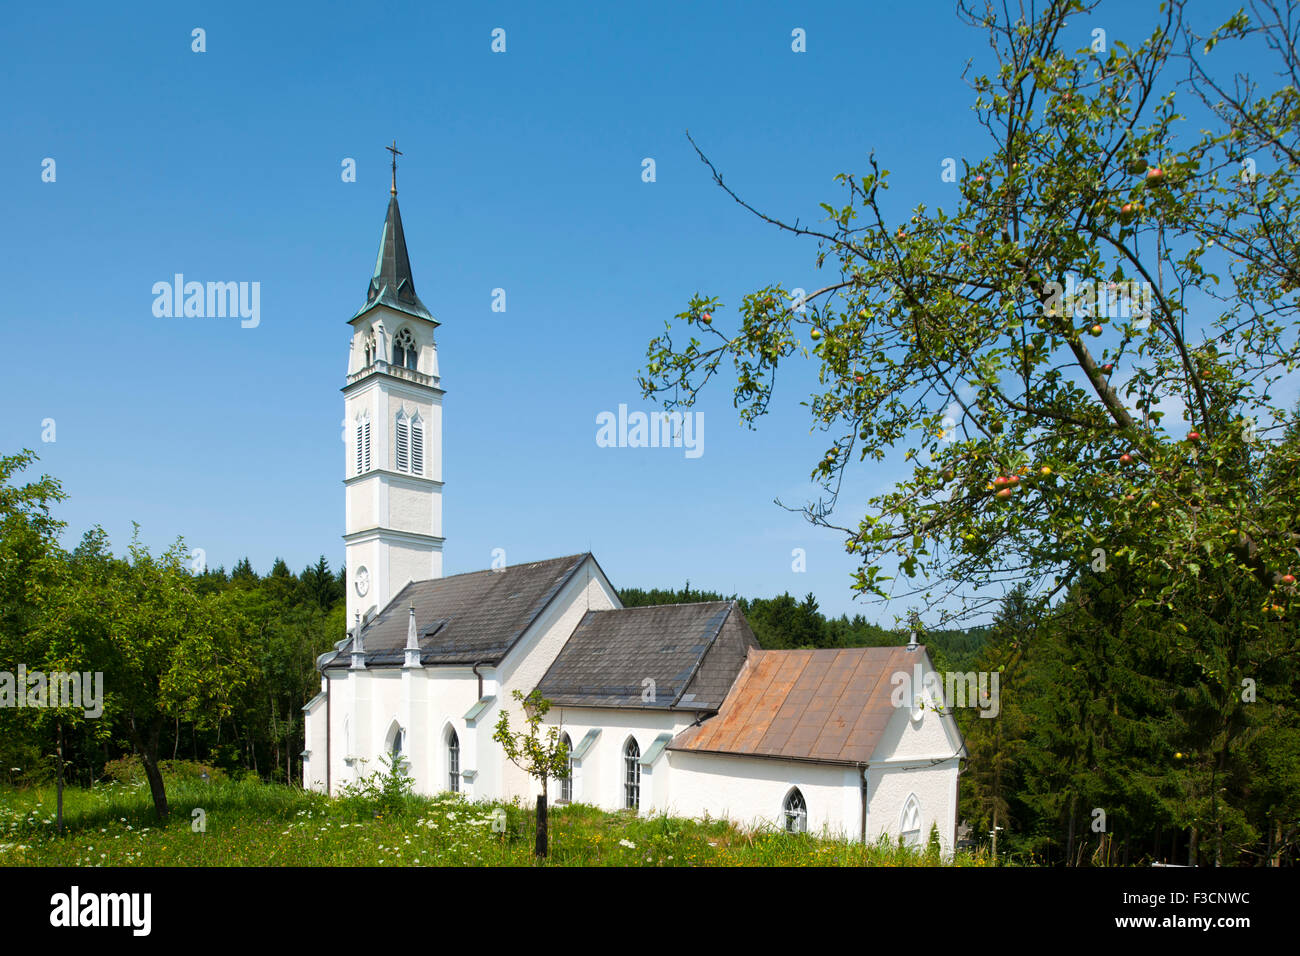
521	171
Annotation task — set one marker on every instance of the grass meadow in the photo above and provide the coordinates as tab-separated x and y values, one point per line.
250	823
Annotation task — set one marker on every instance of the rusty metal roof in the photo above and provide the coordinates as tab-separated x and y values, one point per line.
829	706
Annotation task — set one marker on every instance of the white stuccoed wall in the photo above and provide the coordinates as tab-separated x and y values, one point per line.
918	754
752	791
523	668
599	780
427	700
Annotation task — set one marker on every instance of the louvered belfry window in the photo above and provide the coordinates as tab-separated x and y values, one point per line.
403	442
417	445
363	444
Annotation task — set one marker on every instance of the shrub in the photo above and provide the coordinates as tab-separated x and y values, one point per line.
130	770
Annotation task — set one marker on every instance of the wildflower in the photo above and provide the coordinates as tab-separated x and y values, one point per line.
627	843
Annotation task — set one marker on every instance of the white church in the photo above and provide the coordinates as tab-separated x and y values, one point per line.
670	709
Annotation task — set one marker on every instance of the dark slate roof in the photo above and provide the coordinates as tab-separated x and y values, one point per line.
392	284
465	618
692	652
831	706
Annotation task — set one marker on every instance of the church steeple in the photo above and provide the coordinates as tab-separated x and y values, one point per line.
392	404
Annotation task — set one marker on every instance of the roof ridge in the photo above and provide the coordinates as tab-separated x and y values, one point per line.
645	607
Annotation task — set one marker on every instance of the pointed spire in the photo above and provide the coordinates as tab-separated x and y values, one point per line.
392	284
412	642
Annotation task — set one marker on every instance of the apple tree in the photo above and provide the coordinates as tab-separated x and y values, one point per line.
1076	359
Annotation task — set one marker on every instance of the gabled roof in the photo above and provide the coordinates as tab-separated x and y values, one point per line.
392	284
466	618
692	653
830	706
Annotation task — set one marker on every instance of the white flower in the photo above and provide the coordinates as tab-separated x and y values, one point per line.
627	843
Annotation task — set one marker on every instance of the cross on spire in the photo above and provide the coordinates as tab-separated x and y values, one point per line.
396	152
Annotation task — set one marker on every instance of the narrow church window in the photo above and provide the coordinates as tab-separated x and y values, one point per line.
796	812
566	782
399	745
403	442
370	352
632	775
453	761
910	829
404	353
417	445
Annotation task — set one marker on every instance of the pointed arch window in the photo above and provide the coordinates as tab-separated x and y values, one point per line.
404	352
403	442
397	746
370	351
453	761
363	443
910	826
566	782
631	775
796	812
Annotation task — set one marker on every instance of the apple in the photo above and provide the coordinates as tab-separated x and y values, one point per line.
1155	176
858	379
706	318
1000	480
1045	470
1288	579
1004	493
1013	480
1108	368
1095	330
816	333
1137	165
862	313
1129	498
1127	211
1193	436
863	434
1126	459
979	178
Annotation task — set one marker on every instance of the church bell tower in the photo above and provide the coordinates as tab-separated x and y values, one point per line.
392	410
